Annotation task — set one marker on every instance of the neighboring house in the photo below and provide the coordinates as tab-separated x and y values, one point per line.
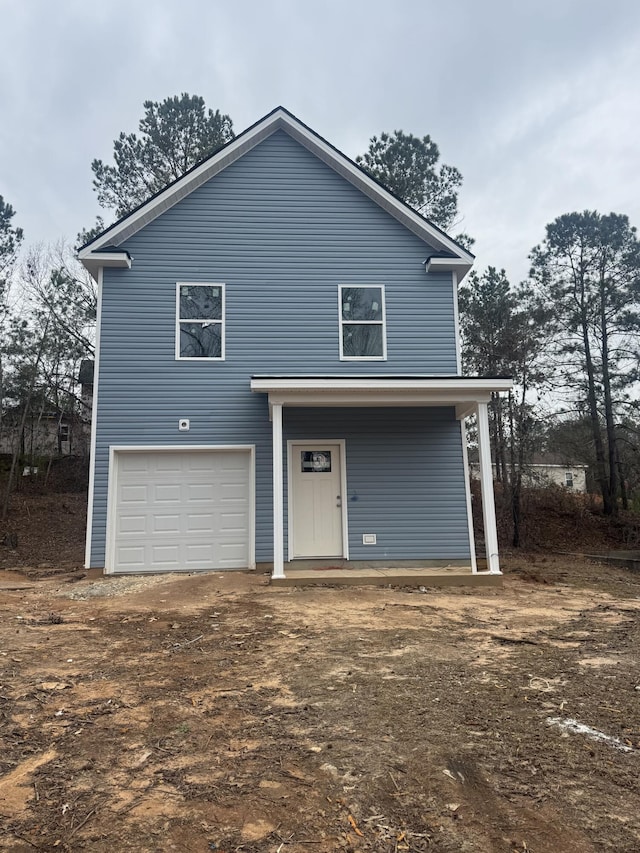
278	372
545	469
45	434
556	469
85	379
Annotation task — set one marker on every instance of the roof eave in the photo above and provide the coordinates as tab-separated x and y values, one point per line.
461	393
457	265
92	261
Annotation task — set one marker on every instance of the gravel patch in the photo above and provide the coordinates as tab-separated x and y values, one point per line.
110	587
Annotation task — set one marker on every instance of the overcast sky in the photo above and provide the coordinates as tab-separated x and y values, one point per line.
535	101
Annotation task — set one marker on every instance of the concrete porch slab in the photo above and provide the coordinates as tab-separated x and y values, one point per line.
439	577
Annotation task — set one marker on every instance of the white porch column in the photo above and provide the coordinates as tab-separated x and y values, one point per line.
486	485
278	488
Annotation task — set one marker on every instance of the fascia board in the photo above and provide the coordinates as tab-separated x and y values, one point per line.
458	265
375	399
464	389
94	261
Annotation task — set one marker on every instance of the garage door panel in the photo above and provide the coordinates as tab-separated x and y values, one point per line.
192	512
134	464
199	553
131	559
165	523
201	523
135	525
229	555
233	491
165	493
200	492
205	465
134	494
165	554
232	520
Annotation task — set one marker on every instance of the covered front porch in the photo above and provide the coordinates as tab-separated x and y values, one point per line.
407	479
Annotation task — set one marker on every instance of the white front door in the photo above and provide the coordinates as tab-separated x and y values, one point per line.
315	514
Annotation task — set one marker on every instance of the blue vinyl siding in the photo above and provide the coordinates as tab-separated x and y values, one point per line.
405	478
282	231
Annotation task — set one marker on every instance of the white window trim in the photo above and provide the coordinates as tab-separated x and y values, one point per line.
222	321
382	323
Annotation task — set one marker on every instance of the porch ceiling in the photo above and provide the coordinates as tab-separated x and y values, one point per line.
462	392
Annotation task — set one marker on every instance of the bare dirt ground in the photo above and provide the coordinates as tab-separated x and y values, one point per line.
214	713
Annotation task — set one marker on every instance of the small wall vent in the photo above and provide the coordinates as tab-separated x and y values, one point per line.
368	538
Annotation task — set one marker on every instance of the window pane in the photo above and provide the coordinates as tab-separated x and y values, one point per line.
200	340
362	303
315	461
362	340
200	302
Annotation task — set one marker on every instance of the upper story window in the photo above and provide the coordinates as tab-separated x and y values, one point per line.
363	333
200	321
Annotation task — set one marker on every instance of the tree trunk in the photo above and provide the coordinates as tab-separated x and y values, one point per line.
495	437
621	478
499	443
514	490
601	468
27	406
608	402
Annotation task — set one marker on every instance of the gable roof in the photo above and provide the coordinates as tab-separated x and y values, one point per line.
100	251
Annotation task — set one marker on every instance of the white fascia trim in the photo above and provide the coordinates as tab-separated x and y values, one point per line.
448	265
112	259
278	120
462	395
461	387
98	260
94	424
112	489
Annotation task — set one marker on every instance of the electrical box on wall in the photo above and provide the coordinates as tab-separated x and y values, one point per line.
183	424
368	538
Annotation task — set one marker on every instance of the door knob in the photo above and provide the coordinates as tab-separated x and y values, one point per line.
339	499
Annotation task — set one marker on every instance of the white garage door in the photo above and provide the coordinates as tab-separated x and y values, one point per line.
183	510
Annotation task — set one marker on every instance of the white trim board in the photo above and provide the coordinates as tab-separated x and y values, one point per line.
467	493
94	426
278	119
172	448
463	394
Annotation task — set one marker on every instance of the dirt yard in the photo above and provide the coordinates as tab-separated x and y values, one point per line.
214	713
